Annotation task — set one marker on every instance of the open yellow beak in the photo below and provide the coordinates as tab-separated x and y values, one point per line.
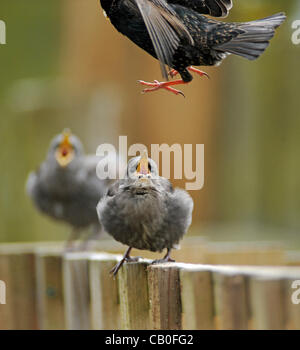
143	167
65	151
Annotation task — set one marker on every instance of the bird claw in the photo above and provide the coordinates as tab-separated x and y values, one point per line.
156	85
159	85
117	267
198	71
161	261
133	259
173	73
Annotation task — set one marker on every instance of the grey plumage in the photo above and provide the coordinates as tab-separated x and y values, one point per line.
68	192
143	210
254	37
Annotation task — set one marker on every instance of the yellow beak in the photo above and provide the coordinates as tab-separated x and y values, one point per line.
143	167
65	151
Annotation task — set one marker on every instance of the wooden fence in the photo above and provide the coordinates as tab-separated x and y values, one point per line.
49	289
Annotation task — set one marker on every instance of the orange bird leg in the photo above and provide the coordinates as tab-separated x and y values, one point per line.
174	72
198	71
163	85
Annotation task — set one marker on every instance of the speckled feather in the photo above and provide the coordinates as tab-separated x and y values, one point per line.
200	40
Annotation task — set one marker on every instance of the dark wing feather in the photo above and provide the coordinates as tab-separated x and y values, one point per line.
215	8
218	8
165	29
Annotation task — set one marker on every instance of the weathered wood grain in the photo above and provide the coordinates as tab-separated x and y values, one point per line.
105	304
164	294
134	295
50	293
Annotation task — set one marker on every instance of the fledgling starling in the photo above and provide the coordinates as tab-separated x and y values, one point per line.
179	36
143	210
66	186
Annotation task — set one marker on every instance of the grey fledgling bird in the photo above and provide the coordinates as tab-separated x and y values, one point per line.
143	210
66	187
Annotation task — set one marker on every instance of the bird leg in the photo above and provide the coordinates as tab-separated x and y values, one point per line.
163	85
174	72
126	258
70	243
167	85
166	258
198	71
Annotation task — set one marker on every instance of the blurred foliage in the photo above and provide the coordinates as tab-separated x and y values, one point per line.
256	154
259	134
27	61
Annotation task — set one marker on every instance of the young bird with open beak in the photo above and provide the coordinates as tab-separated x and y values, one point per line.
179	36
66	187
144	211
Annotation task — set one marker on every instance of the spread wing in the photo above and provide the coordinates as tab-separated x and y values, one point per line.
215	8
165	29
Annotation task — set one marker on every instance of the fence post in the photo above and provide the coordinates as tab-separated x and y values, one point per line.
17	271
267	303
197	299
164	293
77	291
105	306
231	302
7	310
292	302
134	296
50	294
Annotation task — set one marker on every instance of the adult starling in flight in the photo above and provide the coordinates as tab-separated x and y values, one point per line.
179	36
66	186
143	210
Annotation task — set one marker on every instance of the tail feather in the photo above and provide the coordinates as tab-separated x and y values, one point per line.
254	39
275	20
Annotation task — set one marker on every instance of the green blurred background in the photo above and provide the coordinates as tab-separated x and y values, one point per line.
64	65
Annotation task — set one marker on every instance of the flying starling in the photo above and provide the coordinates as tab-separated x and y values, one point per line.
66	186
179	36
144	211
